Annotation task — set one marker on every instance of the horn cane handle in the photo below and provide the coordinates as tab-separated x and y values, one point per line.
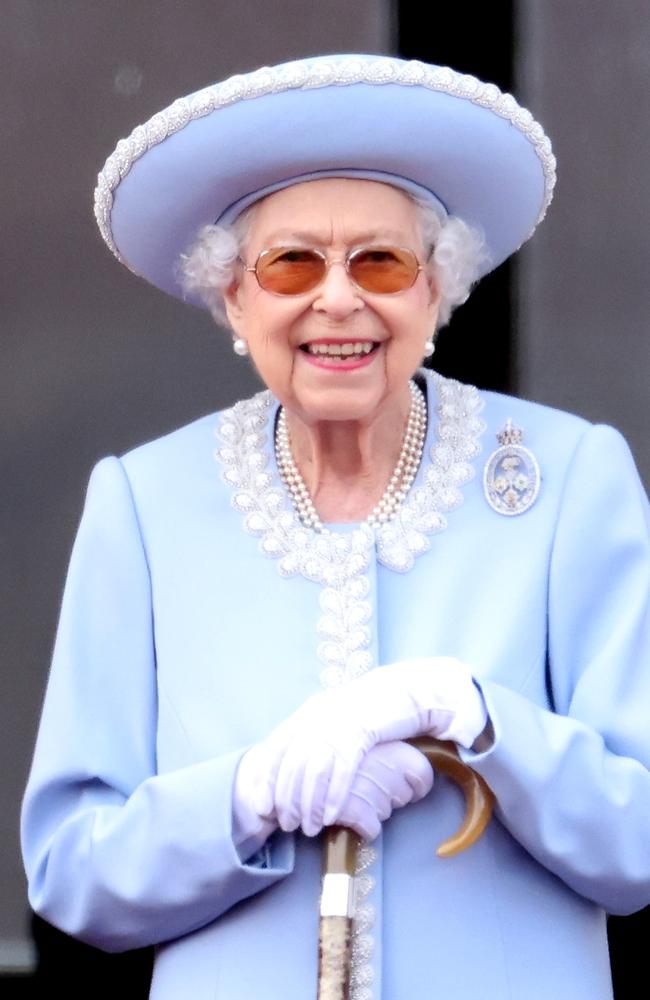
340	847
479	800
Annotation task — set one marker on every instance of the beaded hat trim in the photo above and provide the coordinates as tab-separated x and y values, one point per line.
312	74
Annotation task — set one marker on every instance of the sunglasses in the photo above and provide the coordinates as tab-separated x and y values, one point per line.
382	270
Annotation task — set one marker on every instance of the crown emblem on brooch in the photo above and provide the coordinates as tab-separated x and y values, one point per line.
510	434
511	478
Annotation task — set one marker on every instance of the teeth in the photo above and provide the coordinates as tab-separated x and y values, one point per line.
341	350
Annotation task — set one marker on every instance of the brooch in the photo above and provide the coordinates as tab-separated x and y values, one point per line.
511	477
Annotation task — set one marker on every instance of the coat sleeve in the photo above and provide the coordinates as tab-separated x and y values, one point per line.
572	783
115	853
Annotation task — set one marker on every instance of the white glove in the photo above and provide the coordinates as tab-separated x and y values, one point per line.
249	829
390	776
311	758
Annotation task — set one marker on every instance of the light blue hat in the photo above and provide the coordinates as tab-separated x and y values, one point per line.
470	149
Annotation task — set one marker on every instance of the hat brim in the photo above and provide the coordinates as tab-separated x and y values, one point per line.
481	155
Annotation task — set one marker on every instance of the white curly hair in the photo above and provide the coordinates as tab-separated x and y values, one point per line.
458	252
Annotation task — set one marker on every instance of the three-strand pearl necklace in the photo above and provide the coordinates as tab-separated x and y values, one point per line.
398	486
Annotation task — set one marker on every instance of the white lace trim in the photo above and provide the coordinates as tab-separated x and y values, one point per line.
459	426
333	559
339	562
309	74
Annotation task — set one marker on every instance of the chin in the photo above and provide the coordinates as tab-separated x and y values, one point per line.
342	404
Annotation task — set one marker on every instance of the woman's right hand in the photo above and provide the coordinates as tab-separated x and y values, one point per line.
390	775
308	763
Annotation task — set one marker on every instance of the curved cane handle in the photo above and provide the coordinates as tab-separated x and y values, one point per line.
340	846
443	756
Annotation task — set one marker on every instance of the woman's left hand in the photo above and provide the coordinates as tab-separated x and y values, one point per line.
311	758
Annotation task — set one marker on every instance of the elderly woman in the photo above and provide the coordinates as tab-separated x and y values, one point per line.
374	552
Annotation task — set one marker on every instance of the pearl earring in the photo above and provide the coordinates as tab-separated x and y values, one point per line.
429	347
240	347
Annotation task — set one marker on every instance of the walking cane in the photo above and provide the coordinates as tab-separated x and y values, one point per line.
340	847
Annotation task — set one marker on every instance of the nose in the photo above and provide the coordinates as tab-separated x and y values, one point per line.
337	295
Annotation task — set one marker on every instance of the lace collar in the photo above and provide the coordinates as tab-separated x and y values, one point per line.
245	453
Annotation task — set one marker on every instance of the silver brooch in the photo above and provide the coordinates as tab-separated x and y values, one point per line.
511	477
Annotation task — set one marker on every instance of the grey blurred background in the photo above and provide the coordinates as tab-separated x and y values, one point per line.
94	361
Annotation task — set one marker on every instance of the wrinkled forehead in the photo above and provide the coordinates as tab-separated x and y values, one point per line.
410	187
333	211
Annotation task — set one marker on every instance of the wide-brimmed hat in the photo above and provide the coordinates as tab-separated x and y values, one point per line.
427	129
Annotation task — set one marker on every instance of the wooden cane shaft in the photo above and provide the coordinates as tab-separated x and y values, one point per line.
334	958
340	847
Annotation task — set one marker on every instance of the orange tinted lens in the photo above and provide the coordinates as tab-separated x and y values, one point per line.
383	269
289	270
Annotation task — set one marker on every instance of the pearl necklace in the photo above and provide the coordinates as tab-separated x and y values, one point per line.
398	486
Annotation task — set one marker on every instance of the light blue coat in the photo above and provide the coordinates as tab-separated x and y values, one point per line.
181	643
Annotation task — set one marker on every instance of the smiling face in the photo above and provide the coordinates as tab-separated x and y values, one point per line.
336	352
